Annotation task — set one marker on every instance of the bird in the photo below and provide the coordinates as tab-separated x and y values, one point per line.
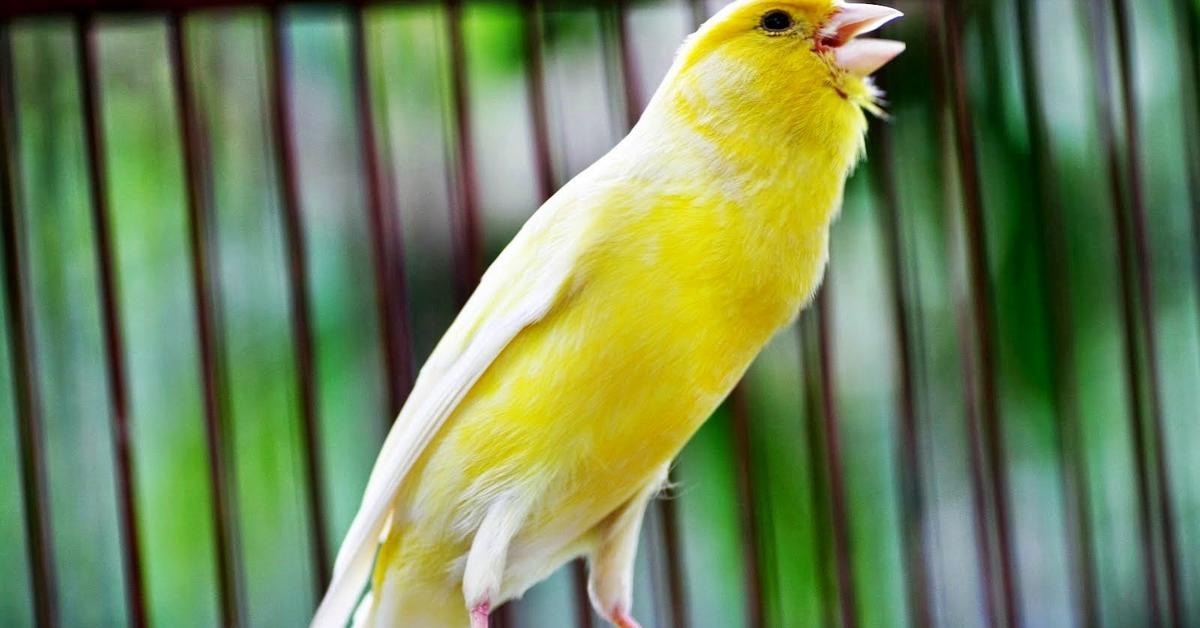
614	323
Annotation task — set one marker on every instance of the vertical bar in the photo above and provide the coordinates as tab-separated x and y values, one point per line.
465	212
1187	19
668	512
983	549
629	71
1051	245
88	67
1141	371
1139	315
579	586
1141	242
819	471
699	12
831	445
387	247
992	436
535	89
668	508
1106	128
743	454
34	487
908	426
204	290
297	266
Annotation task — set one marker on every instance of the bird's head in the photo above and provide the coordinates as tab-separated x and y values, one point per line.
791	71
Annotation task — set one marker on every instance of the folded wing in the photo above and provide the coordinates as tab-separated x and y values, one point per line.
525	283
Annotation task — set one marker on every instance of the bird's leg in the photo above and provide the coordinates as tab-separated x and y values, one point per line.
484	573
622	619
610	581
479	615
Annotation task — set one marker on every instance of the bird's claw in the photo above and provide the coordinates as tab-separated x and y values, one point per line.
622	619
479	615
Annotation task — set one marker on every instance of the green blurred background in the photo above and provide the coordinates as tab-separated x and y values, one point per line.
409	64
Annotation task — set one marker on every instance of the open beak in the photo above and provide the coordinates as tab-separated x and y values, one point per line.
863	56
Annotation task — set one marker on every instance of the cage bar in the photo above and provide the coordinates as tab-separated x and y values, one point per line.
910	427
387	247
297	273
206	301
1143	262
982	319
1145	288
983	551
39	540
114	351
464	214
748	517
535	92
1187	20
819	481
839	510
1145	407
1051	250
818	485
909	424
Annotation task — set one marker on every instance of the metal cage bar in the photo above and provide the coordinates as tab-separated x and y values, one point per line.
910	425
984	358
114	350
1137	307
1143	264
830	430
206	301
743	456
39	541
1051	249
297	273
387	246
1187	19
464	185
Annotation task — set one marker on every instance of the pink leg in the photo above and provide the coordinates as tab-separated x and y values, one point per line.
621	618
479	615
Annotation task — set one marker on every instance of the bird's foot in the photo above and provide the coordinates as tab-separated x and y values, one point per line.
479	615
622	619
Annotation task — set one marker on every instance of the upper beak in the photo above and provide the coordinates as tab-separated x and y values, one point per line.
861	56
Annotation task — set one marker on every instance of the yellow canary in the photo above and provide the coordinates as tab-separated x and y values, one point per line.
614	323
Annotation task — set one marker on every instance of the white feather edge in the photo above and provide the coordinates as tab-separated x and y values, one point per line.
542	258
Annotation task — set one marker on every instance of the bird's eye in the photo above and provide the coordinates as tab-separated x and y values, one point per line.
776	21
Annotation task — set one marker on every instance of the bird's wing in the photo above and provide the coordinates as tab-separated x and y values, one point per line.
520	288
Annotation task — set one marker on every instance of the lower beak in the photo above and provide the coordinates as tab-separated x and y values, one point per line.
861	56
864	56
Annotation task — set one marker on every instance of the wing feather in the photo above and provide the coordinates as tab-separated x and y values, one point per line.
520	288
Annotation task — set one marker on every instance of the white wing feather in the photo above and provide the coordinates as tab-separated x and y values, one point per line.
523	284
